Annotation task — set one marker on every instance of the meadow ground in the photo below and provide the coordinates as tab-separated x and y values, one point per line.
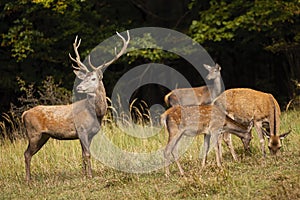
57	173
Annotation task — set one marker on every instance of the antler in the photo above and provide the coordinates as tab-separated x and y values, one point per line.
83	67
80	64
125	44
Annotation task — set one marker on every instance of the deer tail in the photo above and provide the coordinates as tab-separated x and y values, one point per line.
23	116
166	99
163	118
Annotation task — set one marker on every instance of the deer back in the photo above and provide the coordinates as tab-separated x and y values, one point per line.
188	96
197	95
244	105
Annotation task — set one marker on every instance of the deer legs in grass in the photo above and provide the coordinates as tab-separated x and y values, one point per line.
228	141
226	137
86	160
171	150
35	144
85	143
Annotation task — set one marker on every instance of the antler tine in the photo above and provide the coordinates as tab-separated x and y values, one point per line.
90	63
77	68
80	64
125	44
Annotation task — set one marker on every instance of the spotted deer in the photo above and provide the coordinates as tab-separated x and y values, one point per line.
194	120
205	95
244	105
79	120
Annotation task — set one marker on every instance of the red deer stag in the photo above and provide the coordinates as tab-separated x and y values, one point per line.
205	95
244	105
80	120
193	120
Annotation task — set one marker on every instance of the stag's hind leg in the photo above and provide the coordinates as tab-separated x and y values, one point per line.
34	145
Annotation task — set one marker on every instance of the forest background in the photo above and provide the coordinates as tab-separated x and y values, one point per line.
255	42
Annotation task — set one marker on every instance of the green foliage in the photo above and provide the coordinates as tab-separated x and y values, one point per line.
57	6
148	50
36	36
227	20
20	37
247	33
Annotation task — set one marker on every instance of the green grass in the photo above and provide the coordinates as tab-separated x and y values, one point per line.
57	173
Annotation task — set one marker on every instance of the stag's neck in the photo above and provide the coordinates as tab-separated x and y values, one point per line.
97	103
100	101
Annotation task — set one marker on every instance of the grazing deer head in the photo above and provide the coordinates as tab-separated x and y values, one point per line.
274	141
80	120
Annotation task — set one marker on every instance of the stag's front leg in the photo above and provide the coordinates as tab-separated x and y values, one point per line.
86	156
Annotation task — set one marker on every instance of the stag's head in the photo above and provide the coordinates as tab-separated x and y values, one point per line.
213	71
92	78
90	81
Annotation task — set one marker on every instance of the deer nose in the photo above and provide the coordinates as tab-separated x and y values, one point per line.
273	151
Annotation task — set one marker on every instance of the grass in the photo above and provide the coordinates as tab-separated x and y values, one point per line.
57	173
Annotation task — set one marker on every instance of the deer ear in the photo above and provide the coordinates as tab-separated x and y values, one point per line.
282	136
207	67
100	74
266	133
79	74
218	67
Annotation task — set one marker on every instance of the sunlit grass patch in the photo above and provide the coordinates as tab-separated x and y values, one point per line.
57	170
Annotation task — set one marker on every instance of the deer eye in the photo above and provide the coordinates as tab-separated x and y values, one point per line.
93	79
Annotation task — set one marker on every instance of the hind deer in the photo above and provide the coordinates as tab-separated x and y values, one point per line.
244	105
198	95
80	120
205	95
194	120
